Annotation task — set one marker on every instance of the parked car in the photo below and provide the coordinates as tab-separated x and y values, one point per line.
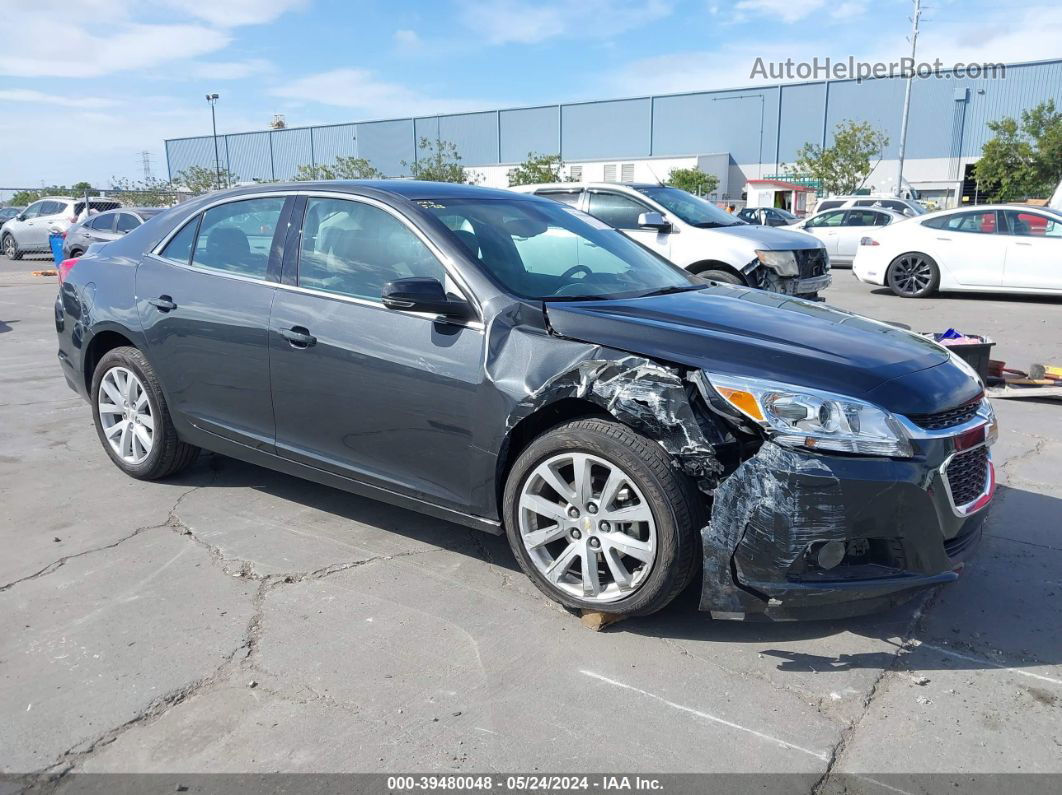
7	213
767	216
908	207
841	230
990	248
1056	200
105	227
507	363
28	231
698	236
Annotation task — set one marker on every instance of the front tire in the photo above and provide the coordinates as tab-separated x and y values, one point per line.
11	247
913	275
726	277
132	419
600	519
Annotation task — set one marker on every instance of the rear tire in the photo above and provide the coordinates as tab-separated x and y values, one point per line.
913	275
638	565
11	247
75	253
132	419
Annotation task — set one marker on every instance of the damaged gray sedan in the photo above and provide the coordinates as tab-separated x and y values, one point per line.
508	363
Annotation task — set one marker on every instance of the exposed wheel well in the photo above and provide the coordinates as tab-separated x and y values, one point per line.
715	265
533	426
99	346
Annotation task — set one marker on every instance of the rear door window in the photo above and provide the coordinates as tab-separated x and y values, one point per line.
615	210
101	223
861	218
179	249
570	197
983	222
127	222
236	237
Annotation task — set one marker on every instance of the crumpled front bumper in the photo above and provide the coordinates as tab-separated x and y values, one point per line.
897	520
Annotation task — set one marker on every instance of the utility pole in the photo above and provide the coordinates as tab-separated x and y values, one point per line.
907	95
212	99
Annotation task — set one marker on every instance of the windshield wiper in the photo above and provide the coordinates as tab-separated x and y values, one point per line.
596	297
677	288
714	224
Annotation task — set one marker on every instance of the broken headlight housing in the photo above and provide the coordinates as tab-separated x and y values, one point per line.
796	416
784	263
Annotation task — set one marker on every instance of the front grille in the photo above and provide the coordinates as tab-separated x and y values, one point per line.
947	419
968	475
812	262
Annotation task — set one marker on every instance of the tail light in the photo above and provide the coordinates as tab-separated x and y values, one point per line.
65	267
869	241
72	219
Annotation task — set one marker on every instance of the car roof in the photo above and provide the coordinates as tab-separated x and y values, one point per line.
406	188
583	185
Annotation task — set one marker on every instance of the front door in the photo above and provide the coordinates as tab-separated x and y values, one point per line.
1034	251
204	304
383	396
621	212
826	227
971	248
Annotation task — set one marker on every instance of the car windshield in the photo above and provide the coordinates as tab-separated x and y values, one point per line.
694	210
786	214
545	250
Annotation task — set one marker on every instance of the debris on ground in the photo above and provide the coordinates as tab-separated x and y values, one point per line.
919	680
597	620
48	272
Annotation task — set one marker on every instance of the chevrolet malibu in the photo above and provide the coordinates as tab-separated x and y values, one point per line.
508	363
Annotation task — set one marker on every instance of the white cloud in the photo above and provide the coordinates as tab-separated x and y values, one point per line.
366	92
230	70
772	10
529	22
407	40
40	98
233	13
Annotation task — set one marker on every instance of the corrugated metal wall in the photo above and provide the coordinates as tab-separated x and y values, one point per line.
760	125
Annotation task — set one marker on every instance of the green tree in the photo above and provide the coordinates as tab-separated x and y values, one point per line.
144	193
79	189
199	180
438	162
843	167
537	169
693	180
23	198
343	168
1023	160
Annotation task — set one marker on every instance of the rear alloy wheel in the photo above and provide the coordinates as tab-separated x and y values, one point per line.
600	519
11	247
913	275
132	419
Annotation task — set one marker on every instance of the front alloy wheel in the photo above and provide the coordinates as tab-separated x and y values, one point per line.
586	527
600	518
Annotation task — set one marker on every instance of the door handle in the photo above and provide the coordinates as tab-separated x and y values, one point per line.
298	336
163	303
1019	243
944	239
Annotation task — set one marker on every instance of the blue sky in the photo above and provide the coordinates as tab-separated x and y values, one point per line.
87	85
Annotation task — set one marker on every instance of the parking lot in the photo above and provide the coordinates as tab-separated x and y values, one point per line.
238	620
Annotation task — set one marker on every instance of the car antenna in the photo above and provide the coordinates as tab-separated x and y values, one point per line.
659	181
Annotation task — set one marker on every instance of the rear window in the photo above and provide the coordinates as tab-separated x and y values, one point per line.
828	205
102	205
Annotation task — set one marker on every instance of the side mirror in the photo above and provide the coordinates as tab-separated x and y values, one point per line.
654	220
20	217
423	294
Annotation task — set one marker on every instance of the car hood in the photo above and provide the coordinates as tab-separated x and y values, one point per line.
771	238
747	332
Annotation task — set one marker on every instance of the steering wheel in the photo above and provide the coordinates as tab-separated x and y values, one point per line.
574	270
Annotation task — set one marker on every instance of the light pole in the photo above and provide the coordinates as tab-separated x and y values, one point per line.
213	98
907	97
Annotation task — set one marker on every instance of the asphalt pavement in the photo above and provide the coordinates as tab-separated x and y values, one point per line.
237	620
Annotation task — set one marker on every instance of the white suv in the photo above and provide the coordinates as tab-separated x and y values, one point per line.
28	231
698	236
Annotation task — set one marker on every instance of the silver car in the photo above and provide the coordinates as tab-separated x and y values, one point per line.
105	227
841	230
27	232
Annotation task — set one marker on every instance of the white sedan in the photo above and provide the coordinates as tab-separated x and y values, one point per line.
989	248
841	230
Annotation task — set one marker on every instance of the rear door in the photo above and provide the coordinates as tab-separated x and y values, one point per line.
204	304
621	212
382	396
1034	250
99	229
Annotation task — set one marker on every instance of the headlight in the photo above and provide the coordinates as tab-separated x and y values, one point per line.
781	262
795	416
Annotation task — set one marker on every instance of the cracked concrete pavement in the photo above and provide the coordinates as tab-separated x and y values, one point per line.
237	620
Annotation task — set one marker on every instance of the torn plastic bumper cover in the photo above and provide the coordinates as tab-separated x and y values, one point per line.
796	535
